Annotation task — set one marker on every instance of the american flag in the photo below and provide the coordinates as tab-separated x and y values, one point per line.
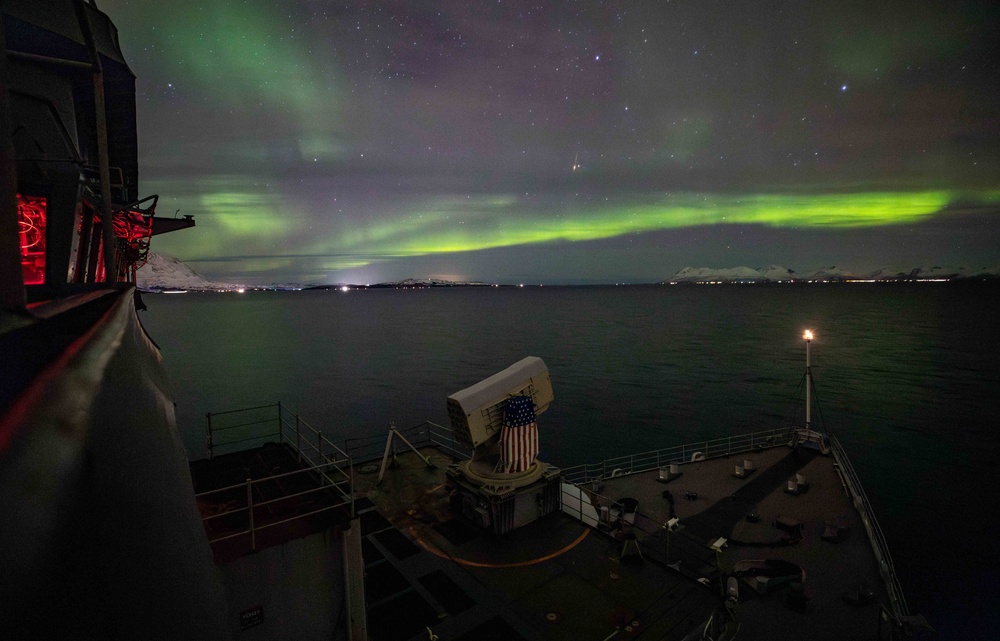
519	435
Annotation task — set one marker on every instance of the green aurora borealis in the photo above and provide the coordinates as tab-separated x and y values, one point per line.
359	142
444	225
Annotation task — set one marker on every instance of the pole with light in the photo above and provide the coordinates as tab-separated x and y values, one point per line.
670	526
808	336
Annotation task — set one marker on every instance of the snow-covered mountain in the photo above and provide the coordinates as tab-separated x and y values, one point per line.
942	272
777	273
773	273
430	282
887	273
833	272
897	274
163	272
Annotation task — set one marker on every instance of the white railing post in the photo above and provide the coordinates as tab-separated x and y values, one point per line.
253	534
208	435
350	482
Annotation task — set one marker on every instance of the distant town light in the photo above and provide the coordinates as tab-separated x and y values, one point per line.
345	288
808	335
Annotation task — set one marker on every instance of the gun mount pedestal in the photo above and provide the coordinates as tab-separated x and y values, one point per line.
504	486
501	505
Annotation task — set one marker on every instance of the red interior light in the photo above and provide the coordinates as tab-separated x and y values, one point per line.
32	213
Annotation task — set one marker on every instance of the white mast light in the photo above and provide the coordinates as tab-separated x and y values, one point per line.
808	336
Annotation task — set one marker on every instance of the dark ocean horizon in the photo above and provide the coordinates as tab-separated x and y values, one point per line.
907	376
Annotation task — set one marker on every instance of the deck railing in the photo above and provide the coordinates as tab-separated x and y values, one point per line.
326	467
655	459
235	430
232	430
331	463
252	426
875	535
253	526
426	434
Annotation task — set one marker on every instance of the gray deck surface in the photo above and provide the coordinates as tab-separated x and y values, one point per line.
552	579
832	568
558	579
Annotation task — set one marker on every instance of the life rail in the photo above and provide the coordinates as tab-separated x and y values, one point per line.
655	459
233	429
875	535
426	434
325	465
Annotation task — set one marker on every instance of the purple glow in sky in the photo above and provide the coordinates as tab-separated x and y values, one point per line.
566	142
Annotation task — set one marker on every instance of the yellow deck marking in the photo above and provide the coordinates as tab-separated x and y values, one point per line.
476	564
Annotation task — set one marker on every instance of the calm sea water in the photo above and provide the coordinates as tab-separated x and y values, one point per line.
907	376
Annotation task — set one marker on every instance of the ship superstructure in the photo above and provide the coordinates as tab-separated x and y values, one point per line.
70	101
99	536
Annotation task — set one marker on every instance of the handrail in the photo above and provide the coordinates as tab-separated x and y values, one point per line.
232	427
681	454
316	434
268	502
245	409
252	526
428	433
257	504
252	530
273	477
330	465
875	534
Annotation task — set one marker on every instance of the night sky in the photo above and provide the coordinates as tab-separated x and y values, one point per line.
558	142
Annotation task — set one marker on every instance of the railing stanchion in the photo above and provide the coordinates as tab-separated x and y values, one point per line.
350	482
208	434
253	534
280	424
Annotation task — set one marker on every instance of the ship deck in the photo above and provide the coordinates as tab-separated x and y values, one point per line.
552	579
560	579
834	569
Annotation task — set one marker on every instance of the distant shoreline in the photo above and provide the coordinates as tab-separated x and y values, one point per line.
972	282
